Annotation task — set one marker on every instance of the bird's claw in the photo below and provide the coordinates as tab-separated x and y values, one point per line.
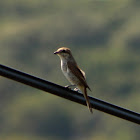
69	86
76	89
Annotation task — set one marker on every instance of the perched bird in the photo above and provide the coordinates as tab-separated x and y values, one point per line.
73	73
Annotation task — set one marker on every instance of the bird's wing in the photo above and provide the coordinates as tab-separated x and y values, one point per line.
78	73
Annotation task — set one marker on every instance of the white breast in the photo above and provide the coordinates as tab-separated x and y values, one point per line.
68	74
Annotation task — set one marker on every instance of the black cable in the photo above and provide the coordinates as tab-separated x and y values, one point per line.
68	94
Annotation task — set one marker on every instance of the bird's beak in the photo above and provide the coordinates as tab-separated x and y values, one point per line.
55	52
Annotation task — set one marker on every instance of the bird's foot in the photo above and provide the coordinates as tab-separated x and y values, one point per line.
76	89
70	86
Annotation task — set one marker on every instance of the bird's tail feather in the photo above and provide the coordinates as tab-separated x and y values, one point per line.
84	91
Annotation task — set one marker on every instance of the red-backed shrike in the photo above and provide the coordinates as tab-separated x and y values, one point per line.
72	72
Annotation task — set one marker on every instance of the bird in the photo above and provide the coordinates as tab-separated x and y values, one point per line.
73	73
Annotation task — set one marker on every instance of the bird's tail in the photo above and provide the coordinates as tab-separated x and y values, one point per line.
84	91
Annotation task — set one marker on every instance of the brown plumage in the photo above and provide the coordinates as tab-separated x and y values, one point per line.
73	73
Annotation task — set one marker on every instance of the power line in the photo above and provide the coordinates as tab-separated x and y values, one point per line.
68	94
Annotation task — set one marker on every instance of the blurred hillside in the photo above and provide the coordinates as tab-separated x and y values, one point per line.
104	37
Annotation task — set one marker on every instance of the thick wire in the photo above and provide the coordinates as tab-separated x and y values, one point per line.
68	94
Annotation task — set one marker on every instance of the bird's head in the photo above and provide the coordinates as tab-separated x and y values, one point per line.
63	52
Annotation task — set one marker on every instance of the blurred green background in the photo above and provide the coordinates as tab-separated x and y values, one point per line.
104	36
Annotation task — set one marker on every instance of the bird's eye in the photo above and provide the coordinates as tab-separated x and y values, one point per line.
63	51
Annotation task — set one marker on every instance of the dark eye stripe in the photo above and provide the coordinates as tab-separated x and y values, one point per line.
63	51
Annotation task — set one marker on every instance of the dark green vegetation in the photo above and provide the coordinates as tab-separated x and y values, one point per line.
104	37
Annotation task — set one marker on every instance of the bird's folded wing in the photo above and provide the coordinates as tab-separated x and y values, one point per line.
78	73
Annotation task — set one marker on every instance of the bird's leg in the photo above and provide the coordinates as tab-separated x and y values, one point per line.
77	89
70	86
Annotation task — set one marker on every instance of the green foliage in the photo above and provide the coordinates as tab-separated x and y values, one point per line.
104	38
